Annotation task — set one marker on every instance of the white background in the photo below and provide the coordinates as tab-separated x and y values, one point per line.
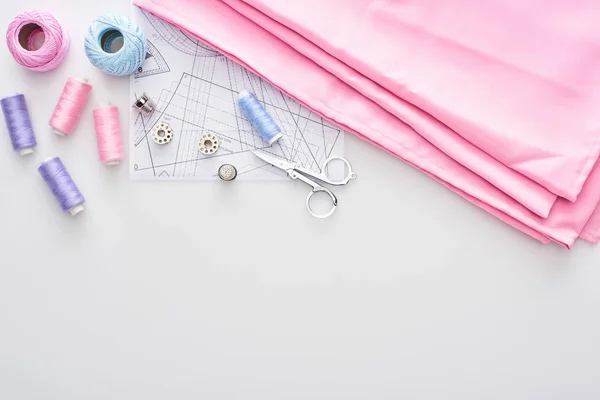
231	291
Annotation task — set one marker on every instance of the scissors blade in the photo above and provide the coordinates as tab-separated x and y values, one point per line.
275	161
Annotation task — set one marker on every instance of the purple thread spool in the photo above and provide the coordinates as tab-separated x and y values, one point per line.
60	182
19	124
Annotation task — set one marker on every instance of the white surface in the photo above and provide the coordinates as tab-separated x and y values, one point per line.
196	91
214	290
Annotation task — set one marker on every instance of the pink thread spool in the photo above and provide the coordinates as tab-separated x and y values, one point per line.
108	134
70	106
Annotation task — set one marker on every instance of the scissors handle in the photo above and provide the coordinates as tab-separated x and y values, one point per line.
316	188
334	201
324	175
349	176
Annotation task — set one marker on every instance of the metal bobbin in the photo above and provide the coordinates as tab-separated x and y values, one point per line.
162	133
208	144
144	104
227	172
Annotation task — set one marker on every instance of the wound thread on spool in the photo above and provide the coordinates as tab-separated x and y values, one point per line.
18	122
62	185
108	134
259	117
116	45
37	41
70	106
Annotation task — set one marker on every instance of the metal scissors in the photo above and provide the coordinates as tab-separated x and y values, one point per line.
296	171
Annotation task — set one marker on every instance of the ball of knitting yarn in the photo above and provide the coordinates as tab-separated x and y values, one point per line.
37	41
116	45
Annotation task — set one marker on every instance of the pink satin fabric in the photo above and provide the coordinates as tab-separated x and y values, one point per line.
485	140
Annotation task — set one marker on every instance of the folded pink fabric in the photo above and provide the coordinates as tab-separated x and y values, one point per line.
521	80
334	88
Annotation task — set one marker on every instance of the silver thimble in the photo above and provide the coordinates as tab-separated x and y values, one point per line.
144	104
227	172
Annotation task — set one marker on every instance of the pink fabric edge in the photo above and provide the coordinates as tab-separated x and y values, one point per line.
588	237
591	231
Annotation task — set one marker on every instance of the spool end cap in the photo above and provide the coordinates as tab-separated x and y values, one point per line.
243	93
112	162
275	138
26	152
59	133
76	210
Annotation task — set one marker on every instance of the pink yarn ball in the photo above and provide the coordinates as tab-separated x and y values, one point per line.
28	27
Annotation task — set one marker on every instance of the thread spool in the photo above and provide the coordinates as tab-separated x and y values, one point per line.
108	134
70	106
37	41
259	117
116	45
18	122
62	186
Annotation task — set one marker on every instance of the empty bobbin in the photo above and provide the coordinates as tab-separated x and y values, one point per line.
208	144
162	133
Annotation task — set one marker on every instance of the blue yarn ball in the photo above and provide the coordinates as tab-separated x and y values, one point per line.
102	34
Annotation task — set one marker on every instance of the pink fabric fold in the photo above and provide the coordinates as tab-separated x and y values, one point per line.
521	80
591	231
335	89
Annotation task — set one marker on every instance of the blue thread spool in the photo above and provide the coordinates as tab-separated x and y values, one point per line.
259	117
116	45
60	182
18	122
